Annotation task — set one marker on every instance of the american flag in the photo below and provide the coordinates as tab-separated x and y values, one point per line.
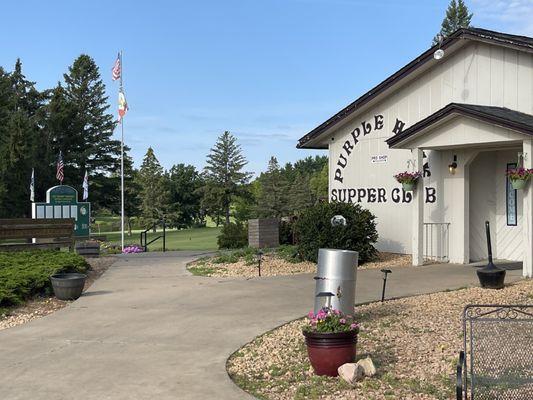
60	175
117	69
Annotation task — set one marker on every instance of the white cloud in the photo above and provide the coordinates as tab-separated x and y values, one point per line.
511	16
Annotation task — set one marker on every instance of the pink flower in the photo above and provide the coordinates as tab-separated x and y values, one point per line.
342	321
311	315
354	326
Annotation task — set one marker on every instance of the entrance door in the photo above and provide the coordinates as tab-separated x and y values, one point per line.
490	200
482	205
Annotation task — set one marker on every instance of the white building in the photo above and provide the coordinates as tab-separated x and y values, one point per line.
473	107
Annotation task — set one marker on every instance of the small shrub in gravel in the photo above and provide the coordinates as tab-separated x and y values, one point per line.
24	274
233	236
313	231
289	253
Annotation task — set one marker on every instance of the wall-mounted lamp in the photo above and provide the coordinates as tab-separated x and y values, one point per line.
453	166
439	53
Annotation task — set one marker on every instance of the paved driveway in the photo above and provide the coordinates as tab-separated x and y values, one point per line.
149	330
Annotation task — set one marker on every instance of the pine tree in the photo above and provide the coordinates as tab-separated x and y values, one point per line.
21	148
185	198
301	195
88	143
272	199
224	175
153	191
319	183
457	16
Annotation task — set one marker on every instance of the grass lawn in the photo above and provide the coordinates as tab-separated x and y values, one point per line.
186	239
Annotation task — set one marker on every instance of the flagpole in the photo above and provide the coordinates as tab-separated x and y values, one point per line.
121	163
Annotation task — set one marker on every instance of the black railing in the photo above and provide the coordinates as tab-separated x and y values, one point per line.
144	235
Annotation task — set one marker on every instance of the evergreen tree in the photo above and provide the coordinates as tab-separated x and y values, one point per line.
185	198
21	147
319	184
83	131
457	16
301	195
224	175
153	191
272	199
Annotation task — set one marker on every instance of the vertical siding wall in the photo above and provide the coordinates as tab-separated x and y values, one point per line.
477	74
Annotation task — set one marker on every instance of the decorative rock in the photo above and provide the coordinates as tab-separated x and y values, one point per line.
351	372
368	366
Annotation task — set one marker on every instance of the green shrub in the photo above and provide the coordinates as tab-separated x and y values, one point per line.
27	273
233	236
313	230
289	253
286	232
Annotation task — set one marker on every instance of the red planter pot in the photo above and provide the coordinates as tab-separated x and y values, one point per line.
328	351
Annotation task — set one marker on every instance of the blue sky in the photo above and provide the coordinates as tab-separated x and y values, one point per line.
266	70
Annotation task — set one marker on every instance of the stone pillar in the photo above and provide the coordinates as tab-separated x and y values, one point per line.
418	211
527	269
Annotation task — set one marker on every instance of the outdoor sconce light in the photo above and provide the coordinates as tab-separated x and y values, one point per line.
453	166
325	298
439	53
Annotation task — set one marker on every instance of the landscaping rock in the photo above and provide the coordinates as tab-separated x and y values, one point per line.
368	366
351	372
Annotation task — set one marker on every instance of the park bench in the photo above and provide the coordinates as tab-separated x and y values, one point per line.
17	234
497	357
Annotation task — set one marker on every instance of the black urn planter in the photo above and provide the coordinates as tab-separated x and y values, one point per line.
490	276
68	286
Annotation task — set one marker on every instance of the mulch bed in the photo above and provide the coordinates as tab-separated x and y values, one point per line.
414	343
273	265
42	306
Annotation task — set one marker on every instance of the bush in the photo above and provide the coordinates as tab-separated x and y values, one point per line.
286	232
289	253
27	273
313	231
233	236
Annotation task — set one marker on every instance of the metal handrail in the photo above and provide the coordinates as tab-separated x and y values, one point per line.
144	234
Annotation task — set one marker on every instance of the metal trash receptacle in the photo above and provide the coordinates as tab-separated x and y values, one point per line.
336	274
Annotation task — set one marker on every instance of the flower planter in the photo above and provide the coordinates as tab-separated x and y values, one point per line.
518	183
328	351
68	286
408	186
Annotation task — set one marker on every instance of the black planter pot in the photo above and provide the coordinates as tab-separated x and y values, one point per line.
68	286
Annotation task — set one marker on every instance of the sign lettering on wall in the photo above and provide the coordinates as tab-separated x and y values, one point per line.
379	159
366	128
380	195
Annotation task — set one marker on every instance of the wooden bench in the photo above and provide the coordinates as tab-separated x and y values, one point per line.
497	359
19	233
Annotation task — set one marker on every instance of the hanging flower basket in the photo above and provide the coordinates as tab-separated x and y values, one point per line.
519	177
408	180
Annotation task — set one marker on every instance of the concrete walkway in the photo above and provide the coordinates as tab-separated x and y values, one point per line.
149	330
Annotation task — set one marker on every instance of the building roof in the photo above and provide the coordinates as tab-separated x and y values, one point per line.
522	43
500	116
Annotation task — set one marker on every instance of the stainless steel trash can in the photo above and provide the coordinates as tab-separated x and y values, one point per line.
336	274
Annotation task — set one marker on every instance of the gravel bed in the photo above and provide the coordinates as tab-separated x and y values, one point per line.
414	343
273	265
42	306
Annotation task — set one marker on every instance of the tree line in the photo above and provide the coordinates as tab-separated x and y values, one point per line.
74	118
224	191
